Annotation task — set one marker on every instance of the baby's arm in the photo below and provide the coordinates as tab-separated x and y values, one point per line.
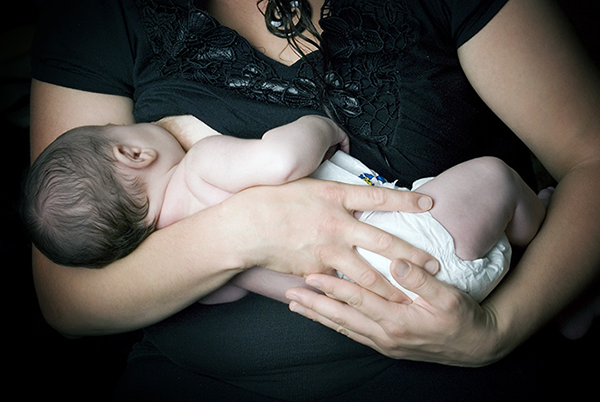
283	154
186	129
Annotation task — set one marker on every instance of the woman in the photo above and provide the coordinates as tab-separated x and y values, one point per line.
409	115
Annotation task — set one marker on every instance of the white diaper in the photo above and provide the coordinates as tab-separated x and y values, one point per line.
477	277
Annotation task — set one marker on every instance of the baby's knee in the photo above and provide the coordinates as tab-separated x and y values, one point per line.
515	201
497	173
493	166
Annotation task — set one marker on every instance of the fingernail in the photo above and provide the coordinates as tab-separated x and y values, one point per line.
313	283
432	266
292	296
425	203
296	308
400	268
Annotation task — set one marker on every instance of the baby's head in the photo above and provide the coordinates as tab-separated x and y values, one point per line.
94	194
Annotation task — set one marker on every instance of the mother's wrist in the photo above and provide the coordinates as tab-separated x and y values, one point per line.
496	341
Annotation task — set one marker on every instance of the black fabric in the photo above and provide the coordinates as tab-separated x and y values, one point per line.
544	368
257	344
390	74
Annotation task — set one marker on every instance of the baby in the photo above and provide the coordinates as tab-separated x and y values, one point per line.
97	192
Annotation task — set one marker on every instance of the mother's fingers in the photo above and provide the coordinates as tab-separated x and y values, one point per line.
419	281
340	317
357	297
355	267
443	325
380	242
320	232
383	243
368	198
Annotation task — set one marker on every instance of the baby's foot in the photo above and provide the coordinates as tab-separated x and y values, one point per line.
545	195
577	325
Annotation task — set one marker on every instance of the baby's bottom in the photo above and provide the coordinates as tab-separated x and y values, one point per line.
478	200
478	207
477	277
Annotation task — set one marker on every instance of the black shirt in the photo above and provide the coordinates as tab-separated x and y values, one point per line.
389	74
392	78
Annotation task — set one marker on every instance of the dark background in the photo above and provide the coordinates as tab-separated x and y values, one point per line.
87	369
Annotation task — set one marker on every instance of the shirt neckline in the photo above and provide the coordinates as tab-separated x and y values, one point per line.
272	62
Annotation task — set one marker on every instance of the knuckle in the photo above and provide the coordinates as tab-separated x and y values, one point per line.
343	331
329	226
320	253
323	257
384	241
389	345
338	319
379	196
417	256
333	192
417	280
395	330
355	300
368	278
452	300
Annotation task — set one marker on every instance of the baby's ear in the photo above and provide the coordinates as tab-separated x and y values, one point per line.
134	157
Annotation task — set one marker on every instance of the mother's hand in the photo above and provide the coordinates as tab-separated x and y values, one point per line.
443	325
308	226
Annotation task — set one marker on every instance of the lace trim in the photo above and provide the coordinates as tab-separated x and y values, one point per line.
363	42
189	43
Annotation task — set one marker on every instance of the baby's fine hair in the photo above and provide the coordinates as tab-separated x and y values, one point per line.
78	210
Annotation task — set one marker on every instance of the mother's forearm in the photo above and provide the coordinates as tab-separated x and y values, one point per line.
173	268
561	262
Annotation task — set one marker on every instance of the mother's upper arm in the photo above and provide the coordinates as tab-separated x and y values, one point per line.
528	66
56	109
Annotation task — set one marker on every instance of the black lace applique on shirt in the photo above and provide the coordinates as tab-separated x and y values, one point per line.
362	43
190	43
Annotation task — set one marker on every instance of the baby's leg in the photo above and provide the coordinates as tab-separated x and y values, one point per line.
228	293
257	280
478	200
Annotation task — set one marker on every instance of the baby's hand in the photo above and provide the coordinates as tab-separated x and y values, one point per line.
339	138
345	142
341	142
